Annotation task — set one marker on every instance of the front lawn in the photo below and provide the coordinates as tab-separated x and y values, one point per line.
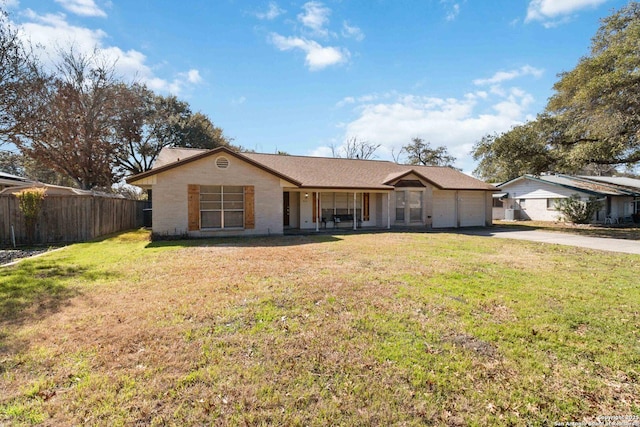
369	329
627	231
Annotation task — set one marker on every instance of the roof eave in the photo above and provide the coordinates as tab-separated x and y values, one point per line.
544	181
334	187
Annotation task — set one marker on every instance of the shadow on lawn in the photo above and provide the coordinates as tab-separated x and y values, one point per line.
31	291
269	241
615	231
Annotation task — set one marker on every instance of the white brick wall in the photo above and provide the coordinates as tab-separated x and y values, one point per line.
170	215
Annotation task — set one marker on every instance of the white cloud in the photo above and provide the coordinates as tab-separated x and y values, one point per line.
9	4
366	98
393	119
192	76
82	7
502	76
271	13
51	32
453	10
315	17
238	101
353	32
323	151
345	101
453	13
317	56
547	10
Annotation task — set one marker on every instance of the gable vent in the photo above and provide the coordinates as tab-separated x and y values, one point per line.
222	162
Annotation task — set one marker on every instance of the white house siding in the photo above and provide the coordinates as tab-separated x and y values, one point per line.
444	213
622	207
170	213
472	208
535	194
536	209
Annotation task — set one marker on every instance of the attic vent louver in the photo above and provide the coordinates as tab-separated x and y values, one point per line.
222	162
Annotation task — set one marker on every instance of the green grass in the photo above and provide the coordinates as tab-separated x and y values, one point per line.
378	329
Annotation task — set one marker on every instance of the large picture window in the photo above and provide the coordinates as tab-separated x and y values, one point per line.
221	206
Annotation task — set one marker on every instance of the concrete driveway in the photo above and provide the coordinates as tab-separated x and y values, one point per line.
559	238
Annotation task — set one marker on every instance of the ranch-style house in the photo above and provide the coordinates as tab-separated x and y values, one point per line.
220	192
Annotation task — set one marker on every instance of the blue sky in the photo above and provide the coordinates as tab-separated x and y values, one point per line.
304	76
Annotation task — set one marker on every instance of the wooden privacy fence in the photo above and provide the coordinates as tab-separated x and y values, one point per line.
70	218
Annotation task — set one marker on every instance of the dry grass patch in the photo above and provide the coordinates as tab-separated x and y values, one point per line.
629	231
377	329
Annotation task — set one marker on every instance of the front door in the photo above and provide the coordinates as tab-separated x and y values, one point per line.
286	209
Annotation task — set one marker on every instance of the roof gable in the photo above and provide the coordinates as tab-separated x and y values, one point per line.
194	155
394	178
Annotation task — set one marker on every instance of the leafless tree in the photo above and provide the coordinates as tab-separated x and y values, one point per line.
18	75
70	124
353	148
396	155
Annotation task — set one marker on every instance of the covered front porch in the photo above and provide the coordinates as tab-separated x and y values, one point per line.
316	209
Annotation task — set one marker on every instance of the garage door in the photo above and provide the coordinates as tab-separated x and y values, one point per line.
471	205
444	209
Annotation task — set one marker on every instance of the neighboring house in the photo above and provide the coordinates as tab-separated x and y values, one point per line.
221	192
8	180
530	197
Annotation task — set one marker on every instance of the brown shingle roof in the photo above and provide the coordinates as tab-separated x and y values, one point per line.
323	172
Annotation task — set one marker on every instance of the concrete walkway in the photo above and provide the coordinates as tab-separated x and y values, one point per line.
559	238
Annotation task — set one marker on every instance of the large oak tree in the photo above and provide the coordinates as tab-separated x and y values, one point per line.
148	122
592	119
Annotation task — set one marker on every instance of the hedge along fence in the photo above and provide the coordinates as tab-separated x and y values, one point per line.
70	218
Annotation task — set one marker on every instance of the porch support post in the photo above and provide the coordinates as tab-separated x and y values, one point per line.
317	208
457	208
355	217
388	210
